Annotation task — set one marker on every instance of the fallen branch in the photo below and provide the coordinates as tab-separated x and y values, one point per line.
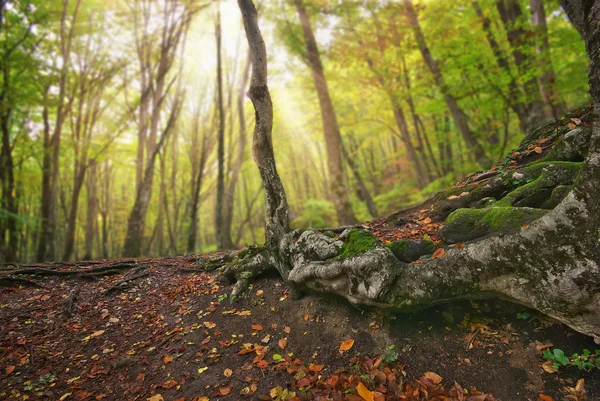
119	285
10	281
103	270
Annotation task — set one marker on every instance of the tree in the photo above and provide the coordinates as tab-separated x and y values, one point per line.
460	117
155	87
551	265
331	130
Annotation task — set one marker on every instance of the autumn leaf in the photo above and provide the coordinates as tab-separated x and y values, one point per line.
210	325
451	197
257	327
9	369
364	392
306	318
156	397
202	370
169	384
537	149
544	397
346	345
287	329
228	372
433	377
315	368
459	246
225	390
282	343
167	359
438	253
571	125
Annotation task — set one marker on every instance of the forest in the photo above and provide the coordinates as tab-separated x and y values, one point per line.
300	200
95	93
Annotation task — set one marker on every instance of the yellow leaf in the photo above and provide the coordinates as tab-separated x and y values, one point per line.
64	397
346	345
549	367
156	397
202	370
364	392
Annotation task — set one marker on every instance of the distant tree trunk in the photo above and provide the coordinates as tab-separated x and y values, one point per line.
521	41
237	168
198	166
92	211
8	224
333	139
460	118
104	206
223	237
555	105
51	163
363	191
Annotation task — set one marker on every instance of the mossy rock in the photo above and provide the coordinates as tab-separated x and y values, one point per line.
573	146
358	242
558	194
469	224
483	203
536	192
410	250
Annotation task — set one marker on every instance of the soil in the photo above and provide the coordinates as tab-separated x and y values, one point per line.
175	335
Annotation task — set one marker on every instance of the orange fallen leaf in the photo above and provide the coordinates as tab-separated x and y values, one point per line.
315	368
167	359
544	397
433	377
9	369
306	318
346	345
364	392
156	397
425	221
282	343
257	327
225	390
438	253
210	325
287	329
459	246
169	384
228	372
537	149
571	125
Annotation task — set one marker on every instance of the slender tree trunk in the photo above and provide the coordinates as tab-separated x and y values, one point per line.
333	139
223	237
364	193
7	180
92	211
522	41
555	105
460	118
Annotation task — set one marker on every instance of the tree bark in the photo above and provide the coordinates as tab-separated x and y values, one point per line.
460	118
331	131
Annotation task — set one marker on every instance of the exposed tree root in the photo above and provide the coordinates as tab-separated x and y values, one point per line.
122	284
12	281
114	268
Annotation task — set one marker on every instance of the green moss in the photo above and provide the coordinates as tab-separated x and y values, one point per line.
469	224
359	242
249	252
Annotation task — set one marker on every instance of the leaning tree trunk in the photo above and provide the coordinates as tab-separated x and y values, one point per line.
552	265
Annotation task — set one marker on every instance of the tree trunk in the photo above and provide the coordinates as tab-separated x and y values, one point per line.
364	193
520	41
331	131
460	118
92	211
555	106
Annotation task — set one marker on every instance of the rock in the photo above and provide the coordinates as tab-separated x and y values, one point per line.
465	225
113	320
558	194
573	146
410	250
483	203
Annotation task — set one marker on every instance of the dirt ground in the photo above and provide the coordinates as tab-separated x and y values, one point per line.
174	335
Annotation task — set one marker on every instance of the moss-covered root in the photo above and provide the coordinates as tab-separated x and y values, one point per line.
469	224
573	146
356	242
410	250
536	192
243	271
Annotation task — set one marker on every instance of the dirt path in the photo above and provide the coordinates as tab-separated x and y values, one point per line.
176	336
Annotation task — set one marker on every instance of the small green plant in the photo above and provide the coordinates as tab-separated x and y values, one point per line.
586	361
222	297
523	315
389	355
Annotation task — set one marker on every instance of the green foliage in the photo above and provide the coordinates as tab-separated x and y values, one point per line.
586	361
317	213
523	315
389	355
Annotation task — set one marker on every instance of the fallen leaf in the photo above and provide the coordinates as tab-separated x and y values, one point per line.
306	318
225	390
287	329
210	325
541	347
459	246
433	377
9	369
202	370
156	397
425	221
282	343
65	396
438	253
577	121
544	397
451	197
315	368
169	384
364	392
537	149
571	125
549	367
167	359
228	372
346	345
257	327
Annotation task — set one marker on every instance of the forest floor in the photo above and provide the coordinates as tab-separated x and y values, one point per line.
174	335
164	329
